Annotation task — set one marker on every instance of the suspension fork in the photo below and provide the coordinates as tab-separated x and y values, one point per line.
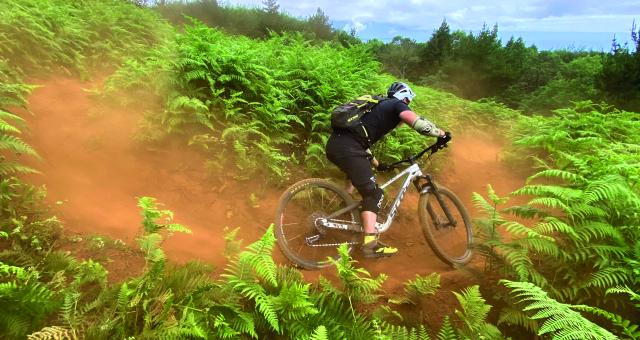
430	186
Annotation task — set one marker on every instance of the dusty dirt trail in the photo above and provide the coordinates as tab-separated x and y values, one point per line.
94	166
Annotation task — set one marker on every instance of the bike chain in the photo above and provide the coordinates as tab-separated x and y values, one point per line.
333	244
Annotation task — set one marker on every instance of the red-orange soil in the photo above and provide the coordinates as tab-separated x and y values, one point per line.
94	168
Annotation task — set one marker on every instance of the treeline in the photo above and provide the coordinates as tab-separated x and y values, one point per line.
470	65
479	65
255	22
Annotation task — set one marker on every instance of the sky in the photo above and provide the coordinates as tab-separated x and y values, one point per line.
550	24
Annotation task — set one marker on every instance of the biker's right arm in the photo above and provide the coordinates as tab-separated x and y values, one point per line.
420	124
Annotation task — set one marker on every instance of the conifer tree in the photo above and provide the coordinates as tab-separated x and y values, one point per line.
271	6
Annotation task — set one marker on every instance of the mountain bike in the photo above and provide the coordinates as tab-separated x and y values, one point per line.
315	216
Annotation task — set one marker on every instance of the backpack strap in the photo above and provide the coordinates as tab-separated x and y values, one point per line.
368	100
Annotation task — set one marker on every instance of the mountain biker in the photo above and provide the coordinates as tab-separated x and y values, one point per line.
351	154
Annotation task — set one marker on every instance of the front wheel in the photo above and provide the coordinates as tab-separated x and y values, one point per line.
300	237
451	243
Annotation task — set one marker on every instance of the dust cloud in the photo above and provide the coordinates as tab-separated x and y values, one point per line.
94	169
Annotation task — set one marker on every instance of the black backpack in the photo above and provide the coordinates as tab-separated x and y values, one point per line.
348	116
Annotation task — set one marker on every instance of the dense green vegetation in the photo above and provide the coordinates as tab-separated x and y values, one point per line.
581	238
264	101
480	65
471	65
43	36
568	267
251	22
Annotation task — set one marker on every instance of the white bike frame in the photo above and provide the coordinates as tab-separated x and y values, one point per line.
411	173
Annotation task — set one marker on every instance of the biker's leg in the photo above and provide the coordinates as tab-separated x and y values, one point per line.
348	186
369	219
372	199
358	170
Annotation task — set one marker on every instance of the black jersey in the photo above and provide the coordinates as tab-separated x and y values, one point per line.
383	118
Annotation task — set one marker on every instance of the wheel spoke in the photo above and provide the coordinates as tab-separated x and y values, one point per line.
295	237
312	200
330	202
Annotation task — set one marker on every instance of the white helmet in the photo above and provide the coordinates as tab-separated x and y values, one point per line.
400	91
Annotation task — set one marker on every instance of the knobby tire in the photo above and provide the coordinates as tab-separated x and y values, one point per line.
293	221
451	245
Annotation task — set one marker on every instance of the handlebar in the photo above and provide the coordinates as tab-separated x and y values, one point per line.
441	143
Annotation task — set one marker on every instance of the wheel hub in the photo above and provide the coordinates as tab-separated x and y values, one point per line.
315	220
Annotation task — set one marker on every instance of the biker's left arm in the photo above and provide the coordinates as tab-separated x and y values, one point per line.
372	159
420	124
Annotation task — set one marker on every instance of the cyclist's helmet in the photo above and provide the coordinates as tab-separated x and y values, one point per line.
400	91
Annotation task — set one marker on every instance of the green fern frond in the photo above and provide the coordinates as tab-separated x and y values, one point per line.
6	127
545	246
357	282
419	287
447	332
518	229
258	256
625	290
24	300
255	263
598	230
487	208
406	333
552	203
319	333
609	277
16	145
517	317
561	321
474	313
12	168
561	174
293	302
551	224
123	301
627	328
338	317
565	194
607	188
515	256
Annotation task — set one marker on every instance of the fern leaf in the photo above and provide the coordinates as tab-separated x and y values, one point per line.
15	144
627	328
517	317
561	174
417	288
447	331
474	313
561	321
319	334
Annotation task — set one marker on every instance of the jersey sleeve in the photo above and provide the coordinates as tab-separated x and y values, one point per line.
400	106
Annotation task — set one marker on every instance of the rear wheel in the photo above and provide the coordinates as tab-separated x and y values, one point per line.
300	237
451	243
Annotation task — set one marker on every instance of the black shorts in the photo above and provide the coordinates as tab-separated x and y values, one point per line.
351	157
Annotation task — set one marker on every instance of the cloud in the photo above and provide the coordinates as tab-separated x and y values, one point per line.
458	15
355	26
518	15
